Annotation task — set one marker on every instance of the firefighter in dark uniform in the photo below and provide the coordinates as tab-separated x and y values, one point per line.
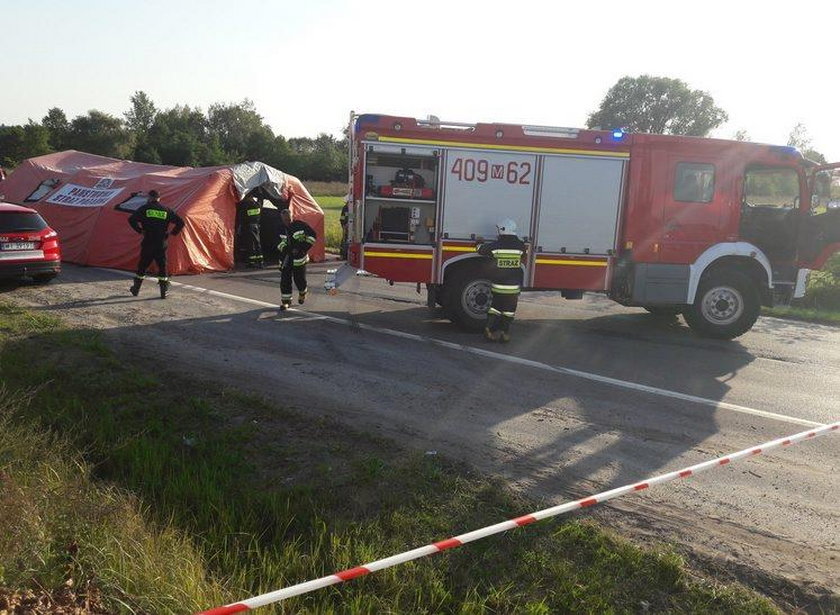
152	220
506	281
343	220
296	238
250	211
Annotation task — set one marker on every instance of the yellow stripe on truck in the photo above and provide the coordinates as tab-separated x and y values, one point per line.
543	261
426	256
458	249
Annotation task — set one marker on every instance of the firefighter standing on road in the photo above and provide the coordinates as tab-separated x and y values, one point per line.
295	240
250	211
152	220
506	283
343	219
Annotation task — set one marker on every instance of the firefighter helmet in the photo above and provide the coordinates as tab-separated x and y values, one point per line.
506	227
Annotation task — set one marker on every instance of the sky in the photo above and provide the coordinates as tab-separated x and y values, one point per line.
307	64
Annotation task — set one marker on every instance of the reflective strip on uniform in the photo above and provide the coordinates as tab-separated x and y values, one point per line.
282	245
298	235
286	297
253	212
508	314
300	262
505	289
494	312
157	213
309	239
163	278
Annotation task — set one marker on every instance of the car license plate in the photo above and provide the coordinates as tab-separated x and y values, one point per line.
18	245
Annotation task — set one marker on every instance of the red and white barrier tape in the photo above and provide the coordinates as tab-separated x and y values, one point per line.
457	541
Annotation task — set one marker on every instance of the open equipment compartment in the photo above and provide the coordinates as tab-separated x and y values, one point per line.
400	195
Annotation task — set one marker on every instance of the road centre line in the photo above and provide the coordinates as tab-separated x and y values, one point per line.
483	352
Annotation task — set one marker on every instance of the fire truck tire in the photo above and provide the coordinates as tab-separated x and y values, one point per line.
467	297
726	306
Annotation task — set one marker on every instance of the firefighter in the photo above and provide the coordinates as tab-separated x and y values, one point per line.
506	281
343	220
250	211
152	220
295	240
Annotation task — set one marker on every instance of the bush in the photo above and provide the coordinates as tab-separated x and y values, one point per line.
823	290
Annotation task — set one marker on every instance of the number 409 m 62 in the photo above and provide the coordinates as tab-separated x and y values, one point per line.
469	169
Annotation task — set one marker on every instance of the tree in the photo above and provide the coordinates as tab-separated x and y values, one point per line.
142	114
241	131
17	143
741	135
55	121
100	133
801	140
657	105
180	136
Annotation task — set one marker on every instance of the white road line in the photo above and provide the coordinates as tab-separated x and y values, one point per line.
483	352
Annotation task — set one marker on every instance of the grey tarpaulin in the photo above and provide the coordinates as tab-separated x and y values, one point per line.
250	175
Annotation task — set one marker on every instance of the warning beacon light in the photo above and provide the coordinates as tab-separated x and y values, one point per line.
617	134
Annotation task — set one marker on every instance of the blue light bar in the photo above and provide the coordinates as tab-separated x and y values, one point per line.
617	134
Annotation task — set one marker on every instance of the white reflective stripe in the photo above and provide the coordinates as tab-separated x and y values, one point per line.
507	253
494	311
509	314
309	239
301	261
285	296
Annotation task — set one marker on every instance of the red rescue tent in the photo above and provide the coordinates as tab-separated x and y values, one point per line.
88	199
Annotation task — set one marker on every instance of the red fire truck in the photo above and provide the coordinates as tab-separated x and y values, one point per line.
708	228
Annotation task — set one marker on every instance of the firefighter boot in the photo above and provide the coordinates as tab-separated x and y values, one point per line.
504	330
135	288
164	286
490	332
285	302
302	296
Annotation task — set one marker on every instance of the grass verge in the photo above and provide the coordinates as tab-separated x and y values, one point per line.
827	317
190	495
332	228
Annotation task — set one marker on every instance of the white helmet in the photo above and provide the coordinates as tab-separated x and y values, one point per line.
506	227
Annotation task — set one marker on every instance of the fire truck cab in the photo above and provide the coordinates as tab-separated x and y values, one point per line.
709	228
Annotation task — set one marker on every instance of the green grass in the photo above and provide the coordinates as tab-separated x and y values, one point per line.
332	228
189	495
828	317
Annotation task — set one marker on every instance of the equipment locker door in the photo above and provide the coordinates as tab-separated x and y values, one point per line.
579	202
482	188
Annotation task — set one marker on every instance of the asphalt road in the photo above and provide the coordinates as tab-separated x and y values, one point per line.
390	365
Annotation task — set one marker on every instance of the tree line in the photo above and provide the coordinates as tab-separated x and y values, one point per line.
229	133
226	133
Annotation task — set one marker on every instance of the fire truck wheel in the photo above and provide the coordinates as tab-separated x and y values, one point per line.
726	306
467	297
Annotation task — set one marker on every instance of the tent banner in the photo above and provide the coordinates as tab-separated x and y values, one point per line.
79	196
